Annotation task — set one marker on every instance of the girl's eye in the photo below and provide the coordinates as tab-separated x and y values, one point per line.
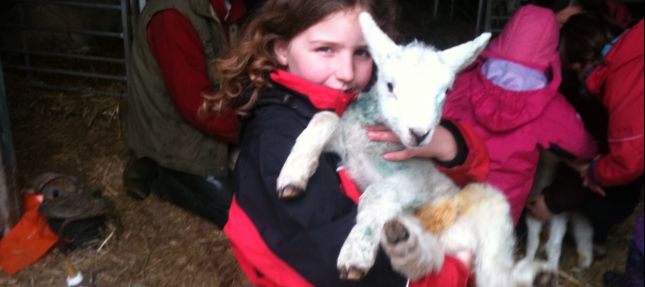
324	49
363	53
390	87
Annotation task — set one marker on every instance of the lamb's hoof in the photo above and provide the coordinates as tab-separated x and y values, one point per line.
290	192
584	261
395	232
352	274
546	279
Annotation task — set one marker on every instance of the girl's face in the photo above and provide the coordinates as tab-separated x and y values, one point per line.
333	53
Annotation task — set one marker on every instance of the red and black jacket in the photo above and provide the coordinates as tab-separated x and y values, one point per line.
296	243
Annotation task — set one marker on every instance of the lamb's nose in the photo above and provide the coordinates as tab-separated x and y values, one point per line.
419	136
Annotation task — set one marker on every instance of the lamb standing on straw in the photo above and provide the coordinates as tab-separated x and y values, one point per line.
408	98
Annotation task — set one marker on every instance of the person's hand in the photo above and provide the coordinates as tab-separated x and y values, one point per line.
580	167
442	147
587	182
538	208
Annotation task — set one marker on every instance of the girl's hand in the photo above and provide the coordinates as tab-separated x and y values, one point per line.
442	147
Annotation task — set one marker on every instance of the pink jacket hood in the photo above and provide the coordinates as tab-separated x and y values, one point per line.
530	39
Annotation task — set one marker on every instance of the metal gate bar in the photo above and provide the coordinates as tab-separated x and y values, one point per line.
69	3
125	22
9	199
6	140
68	73
68	56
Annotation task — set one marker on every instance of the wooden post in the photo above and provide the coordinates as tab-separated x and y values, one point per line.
10	206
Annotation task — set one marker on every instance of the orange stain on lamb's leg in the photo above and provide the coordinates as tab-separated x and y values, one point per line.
438	216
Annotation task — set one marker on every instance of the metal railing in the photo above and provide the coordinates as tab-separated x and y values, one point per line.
26	53
9	199
488	13
6	140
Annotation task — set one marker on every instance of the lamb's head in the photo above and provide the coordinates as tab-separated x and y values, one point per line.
413	80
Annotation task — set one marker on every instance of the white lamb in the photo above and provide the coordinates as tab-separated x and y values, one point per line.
409	97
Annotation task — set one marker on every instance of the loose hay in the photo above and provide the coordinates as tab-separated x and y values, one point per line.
155	243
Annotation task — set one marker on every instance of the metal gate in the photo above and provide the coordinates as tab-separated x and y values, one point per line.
9	199
490	15
32	63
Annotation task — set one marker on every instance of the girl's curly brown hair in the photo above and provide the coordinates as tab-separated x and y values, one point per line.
249	63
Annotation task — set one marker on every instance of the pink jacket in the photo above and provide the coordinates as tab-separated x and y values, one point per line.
516	125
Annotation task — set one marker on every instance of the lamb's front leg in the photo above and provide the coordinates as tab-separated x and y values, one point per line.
534	227
303	159
379	203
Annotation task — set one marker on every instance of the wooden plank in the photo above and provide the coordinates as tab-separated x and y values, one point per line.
9	196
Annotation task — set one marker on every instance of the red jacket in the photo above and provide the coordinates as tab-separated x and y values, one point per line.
178	49
618	83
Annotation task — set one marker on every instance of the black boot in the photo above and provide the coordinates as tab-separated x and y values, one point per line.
209	197
138	176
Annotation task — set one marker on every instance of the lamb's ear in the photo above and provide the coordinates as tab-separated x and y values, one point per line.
461	56
379	43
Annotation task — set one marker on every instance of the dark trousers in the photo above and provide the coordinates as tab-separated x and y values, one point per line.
209	197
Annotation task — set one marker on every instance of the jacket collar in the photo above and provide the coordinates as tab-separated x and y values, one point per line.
322	97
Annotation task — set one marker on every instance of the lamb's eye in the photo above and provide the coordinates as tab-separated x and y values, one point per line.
390	87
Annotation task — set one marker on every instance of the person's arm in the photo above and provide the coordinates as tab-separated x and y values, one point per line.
624	101
179	52
472	162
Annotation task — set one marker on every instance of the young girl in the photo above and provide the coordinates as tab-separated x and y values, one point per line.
610	64
296	58
511	98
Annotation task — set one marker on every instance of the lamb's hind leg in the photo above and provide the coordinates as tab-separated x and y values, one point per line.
303	159
490	218
379	203
412	251
583	233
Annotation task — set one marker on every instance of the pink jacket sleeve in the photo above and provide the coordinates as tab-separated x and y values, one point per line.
562	130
